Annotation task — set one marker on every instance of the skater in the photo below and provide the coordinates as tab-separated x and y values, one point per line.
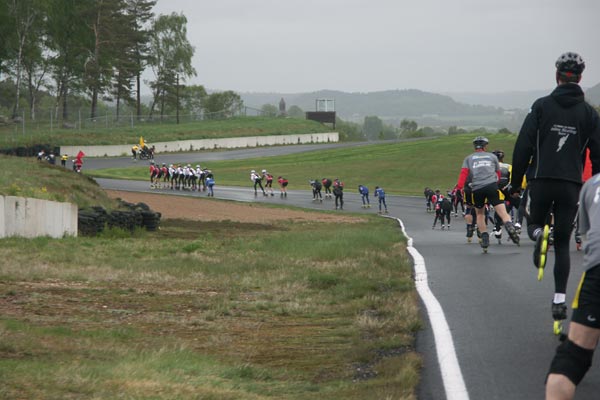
573	357
269	182
436	204
364	194
483	167
134	151
458	199
283	182
446	211
257	180
316	186
428	193
210	183
153	170
509	202
380	194
338	192
63	160
553	137
327	185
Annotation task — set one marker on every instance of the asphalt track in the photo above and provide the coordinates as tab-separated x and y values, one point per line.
497	312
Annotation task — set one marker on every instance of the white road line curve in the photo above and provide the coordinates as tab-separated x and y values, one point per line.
454	384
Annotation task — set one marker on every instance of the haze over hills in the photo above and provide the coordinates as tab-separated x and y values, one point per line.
493	110
431	109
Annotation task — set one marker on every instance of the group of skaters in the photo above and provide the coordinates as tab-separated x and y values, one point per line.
182	177
267	190
553	184
335	188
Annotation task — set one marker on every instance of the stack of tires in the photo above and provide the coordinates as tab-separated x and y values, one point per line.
93	220
149	219
125	219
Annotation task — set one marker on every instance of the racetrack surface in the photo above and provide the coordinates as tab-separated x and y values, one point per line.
497	311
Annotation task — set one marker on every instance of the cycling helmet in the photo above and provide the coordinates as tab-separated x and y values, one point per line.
570	62
499	154
480	142
264	171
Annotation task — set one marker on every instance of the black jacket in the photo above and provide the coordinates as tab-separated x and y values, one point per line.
554	137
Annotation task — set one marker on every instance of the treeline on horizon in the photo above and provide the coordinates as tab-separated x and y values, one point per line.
67	55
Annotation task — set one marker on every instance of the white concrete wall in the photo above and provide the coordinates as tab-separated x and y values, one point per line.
205	144
27	217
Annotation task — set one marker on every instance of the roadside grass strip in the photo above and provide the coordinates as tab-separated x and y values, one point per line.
454	384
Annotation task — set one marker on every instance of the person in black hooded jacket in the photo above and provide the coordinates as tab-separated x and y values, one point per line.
552	143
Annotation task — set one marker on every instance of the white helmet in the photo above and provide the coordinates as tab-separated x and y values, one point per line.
253	171
264	171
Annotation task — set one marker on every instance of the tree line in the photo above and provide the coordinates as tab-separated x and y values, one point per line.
94	51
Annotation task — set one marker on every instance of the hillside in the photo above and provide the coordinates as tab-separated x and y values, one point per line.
427	109
47	182
592	95
391	103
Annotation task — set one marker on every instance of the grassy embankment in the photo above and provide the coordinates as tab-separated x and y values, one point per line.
219	310
156	132
400	168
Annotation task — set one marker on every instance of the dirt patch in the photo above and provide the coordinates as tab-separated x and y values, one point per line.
202	209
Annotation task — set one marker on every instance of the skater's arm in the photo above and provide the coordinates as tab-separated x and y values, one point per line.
462	178
524	147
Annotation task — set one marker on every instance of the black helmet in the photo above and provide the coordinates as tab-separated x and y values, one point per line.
480	142
499	154
570	62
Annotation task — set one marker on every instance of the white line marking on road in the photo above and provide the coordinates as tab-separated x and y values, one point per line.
454	383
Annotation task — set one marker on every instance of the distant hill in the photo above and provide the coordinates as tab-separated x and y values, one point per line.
592	95
427	109
392	103
506	100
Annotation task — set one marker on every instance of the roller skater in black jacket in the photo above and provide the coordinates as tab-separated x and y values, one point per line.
554	138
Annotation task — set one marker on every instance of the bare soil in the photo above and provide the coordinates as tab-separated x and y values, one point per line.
203	209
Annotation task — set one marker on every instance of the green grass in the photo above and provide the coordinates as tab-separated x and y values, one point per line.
288	311
400	168
26	177
209	129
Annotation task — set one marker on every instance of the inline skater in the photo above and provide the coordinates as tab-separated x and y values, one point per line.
364	194
554	137
327	185
484	168
257	181
511	203
316	186
380	194
338	192
573	357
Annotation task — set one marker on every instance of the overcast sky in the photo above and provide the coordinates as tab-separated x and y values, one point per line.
292	46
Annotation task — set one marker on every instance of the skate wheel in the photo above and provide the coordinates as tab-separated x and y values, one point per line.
578	246
557	328
469	240
485	251
540	274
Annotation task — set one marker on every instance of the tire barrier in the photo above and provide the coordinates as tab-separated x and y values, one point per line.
30	151
93	220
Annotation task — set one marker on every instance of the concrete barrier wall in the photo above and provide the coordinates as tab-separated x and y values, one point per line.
205	144
27	217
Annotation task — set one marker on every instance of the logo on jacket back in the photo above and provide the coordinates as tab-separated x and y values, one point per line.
564	132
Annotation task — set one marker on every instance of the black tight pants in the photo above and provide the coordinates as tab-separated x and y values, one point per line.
559	197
